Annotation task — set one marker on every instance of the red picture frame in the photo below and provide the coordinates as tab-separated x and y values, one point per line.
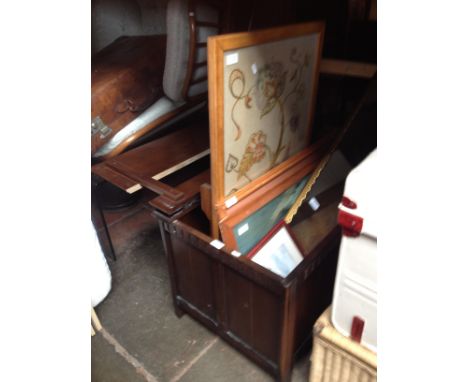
280	257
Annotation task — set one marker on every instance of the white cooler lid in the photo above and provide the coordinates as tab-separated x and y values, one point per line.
361	188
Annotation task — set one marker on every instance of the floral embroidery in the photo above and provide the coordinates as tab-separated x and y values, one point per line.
269	92
271	80
257	145
254	152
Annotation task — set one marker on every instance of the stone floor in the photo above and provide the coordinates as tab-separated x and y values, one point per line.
142	339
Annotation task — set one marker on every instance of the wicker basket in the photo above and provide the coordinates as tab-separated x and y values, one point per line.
336	358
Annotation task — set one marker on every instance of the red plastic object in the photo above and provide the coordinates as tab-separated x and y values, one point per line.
351	224
347	202
357	328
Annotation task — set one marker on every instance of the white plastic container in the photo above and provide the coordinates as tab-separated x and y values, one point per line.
354	307
101	279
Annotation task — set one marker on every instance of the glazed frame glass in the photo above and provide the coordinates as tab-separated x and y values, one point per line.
279	251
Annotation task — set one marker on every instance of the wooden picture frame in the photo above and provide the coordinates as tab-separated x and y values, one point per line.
279	251
280	62
244	224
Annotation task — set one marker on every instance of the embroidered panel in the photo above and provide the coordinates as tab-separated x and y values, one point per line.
268	91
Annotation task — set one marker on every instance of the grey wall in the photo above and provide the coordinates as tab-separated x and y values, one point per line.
111	19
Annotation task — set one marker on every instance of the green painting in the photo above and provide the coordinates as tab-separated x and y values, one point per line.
252	229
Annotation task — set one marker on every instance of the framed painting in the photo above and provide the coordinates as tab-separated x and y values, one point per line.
279	251
262	91
254	216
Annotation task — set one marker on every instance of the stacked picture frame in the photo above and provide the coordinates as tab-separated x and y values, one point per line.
262	95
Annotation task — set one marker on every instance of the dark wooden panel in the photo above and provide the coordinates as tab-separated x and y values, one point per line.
238	305
253	314
250	270
113	176
266	322
314	295
310	229
195	277
161	154
191	190
243	15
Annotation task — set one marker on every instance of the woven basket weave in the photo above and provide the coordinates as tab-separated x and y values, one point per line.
336	358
